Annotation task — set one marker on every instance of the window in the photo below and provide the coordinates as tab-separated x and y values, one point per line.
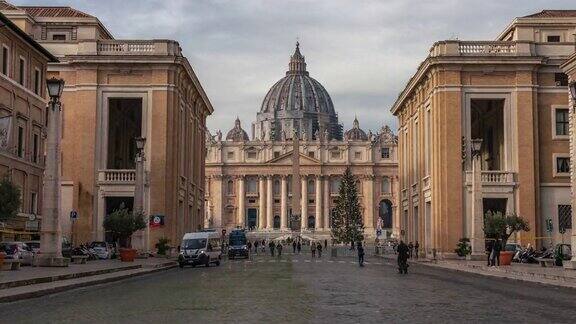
553	39
385	185
562	165
230	187
21	71
564	217
561	79
20	141
5	60
561	122
334	186
335	154
33	203
310	201
311	154
252	186
37	81
385	152
59	37
276	187
251	154
230	155
357	155
311	189
35	144
276	154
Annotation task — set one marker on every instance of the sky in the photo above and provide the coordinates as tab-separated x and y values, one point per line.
362	51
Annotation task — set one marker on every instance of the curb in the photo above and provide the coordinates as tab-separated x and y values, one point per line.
49	291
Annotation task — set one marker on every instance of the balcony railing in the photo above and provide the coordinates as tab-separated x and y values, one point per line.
117	177
487	48
132	47
493	177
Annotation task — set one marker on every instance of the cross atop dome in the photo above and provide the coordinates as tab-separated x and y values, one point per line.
297	63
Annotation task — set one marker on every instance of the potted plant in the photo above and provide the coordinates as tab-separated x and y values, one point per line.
10	201
463	247
500	227
122	223
162	246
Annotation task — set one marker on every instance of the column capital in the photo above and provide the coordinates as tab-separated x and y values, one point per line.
303	177
269	176
319	176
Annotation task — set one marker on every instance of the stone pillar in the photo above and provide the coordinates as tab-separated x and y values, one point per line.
141	237
262	202
304	202
326	202
369	204
50	254
283	204
478	245
318	202
269	202
241	197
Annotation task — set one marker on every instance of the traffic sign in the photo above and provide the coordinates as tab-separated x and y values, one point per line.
73	214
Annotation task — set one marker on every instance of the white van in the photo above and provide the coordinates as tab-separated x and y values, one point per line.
200	248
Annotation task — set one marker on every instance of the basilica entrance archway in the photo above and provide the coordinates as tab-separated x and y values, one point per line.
276	222
311	222
252	219
385	213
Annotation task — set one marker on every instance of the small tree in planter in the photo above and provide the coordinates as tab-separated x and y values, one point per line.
463	247
122	223
162	246
501	227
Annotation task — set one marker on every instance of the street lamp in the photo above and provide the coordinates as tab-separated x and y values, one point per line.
140	142
50	254
142	236
477	234
476	146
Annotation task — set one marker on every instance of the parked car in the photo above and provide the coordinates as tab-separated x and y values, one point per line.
34	245
237	245
101	249
200	248
18	251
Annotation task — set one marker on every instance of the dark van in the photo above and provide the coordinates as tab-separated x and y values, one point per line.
237	244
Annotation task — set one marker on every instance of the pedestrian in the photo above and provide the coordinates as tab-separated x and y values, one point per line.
313	249
299	246
489	248
319	248
294	247
352	245
403	253
325	244
263	246
249	246
410	249
279	249
360	253
256	247
496	253
416	247
271	246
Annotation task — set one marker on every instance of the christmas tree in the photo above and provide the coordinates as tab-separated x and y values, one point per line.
347	224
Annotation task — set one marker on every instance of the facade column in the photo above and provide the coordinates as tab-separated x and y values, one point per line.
241	197
369	203
262	201
283	204
318	202
304	202
326	202
478	245
269	201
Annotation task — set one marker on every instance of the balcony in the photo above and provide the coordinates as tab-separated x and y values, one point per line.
117	47
487	48
116	177
490	178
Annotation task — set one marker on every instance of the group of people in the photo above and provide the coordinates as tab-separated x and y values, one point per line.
413	249
493	248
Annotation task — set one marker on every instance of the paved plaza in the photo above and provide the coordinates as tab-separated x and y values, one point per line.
299	289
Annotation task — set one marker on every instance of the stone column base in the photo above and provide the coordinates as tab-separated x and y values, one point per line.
47	261
569	265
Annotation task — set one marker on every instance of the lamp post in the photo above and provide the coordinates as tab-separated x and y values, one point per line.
572	86
142	241
50	254
477	201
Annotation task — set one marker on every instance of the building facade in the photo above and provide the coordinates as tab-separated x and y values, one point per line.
117	90
511	94
285	178
22	125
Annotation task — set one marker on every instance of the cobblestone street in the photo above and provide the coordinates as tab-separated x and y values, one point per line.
299	289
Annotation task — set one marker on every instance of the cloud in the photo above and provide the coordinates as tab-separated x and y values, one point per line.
363	52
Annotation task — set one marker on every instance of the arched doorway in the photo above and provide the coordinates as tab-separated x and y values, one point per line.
276	222
311	222
385	213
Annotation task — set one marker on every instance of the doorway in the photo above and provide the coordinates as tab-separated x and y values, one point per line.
252	219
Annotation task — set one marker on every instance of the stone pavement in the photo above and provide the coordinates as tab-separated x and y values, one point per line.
38	281
556	276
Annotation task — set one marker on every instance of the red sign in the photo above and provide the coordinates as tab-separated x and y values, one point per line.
156	221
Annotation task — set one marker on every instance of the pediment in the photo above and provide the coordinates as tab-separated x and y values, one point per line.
286	159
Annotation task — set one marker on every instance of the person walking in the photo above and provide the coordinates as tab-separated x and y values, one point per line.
325	244
489	248
360	249
271	246
352	245
416	247
294	247
256	246
249	246
299	247
410	249
496	253
319	248
313	249
263	246
403	253
279	249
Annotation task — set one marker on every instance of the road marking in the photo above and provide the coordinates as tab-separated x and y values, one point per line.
294	260
307	261
283	261
341	261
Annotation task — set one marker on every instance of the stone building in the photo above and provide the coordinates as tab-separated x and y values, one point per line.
23	104
511	94
117	90
285	178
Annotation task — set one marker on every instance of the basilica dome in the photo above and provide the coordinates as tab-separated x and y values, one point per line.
297	104
237	134
356	133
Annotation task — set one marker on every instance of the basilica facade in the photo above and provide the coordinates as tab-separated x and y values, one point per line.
285	177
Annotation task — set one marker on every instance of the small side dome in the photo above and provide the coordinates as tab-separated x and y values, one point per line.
356	133
237	134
